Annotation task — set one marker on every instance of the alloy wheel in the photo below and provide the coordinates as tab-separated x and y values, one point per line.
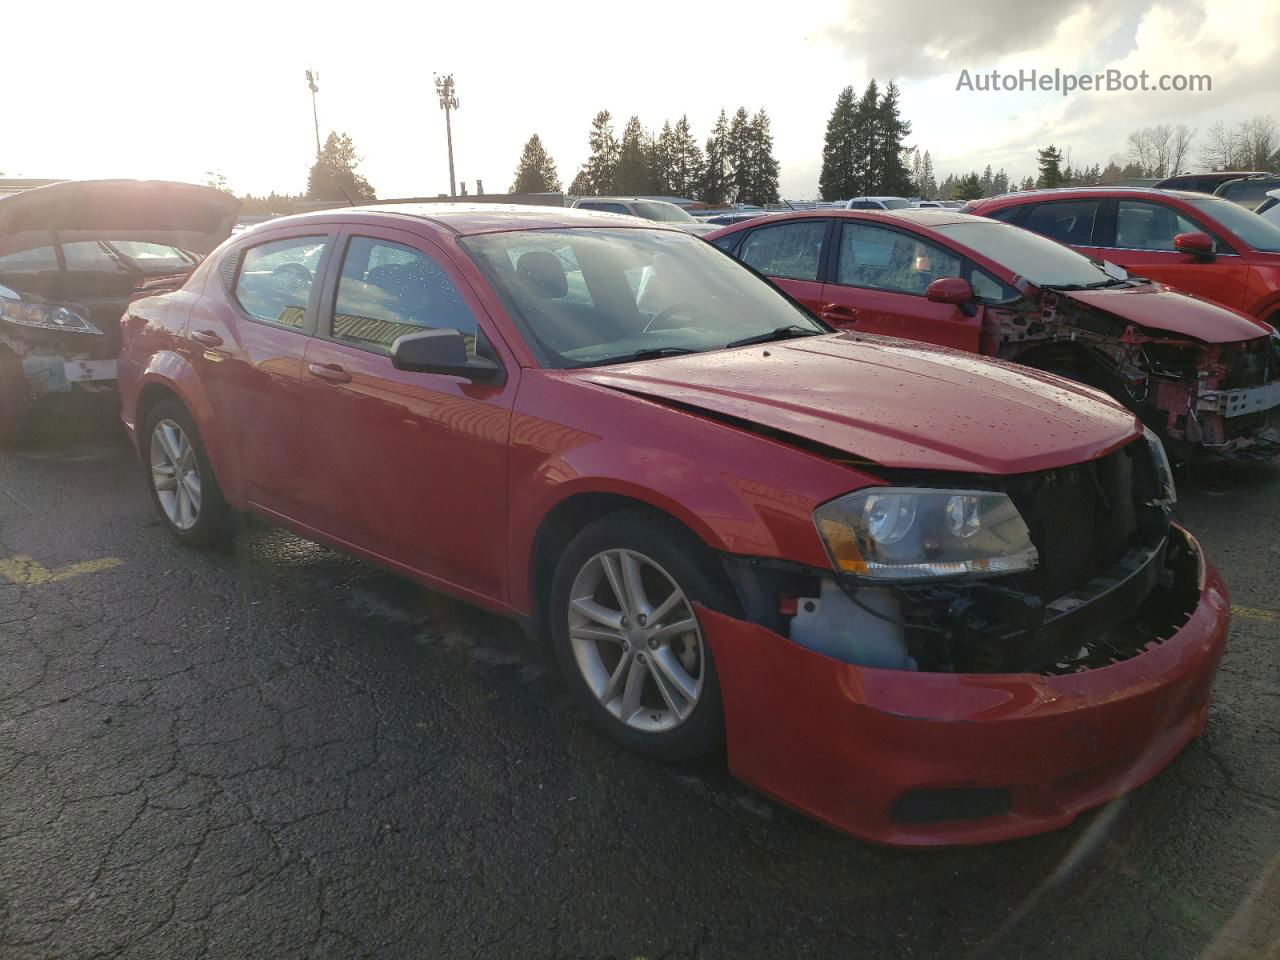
636	641
175	474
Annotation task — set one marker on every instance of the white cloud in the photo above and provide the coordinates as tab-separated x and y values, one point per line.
130	90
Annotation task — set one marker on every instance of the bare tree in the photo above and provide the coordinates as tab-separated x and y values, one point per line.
1180	148
1151	148
1256	140
1219	150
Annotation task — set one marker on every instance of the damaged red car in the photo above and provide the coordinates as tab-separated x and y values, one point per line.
924	597
72	255
1205	377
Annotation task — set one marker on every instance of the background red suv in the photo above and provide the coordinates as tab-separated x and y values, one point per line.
1197	243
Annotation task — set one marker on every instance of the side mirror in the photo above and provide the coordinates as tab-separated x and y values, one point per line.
441	351
1198	245
950	290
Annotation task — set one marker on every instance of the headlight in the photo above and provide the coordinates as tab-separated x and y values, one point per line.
1164	472
898	533
45	316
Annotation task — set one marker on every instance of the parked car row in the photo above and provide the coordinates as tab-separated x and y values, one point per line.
926	596
1203	376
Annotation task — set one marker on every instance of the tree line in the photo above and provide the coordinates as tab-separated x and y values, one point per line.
736	165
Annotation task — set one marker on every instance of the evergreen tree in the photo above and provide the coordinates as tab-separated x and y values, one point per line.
836	180
763	186
686	160
632	177
536	171
602	163
1050	162
917	173
333	176
581	186
662	161
862	142
999	184
716	173
987	181
930	184
890	176
739	156
968	187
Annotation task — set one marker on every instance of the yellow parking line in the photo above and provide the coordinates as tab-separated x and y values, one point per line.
28	572
1252	613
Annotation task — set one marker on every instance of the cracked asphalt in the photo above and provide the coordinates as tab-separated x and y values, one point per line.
277	751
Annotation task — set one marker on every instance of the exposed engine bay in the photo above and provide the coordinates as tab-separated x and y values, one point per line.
1206	400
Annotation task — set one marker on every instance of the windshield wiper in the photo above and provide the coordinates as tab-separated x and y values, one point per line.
1109	282
649	353
788	332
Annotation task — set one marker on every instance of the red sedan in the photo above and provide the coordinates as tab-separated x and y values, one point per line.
1201	244
925	598
1206	378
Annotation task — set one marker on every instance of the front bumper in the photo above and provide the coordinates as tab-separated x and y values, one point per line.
933	759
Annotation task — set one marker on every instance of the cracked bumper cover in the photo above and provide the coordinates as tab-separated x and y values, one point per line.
844	744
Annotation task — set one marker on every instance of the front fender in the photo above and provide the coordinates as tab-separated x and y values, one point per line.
739	492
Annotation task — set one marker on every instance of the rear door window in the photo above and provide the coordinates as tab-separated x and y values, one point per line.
275	279
790	250
605	207
1067	221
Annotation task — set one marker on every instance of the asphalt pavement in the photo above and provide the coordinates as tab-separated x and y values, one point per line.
275	751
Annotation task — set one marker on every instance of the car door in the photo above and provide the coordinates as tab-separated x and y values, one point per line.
409	467
1142	243
790	254
877	280
246	345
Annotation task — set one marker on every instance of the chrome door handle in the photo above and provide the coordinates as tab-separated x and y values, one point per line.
329	371
207	338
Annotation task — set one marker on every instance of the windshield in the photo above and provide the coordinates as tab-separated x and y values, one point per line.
657	210
592	296
1256	231
895	203
1044	262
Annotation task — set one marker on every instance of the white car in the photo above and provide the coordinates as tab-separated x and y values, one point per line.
1269	208
659	210
878	203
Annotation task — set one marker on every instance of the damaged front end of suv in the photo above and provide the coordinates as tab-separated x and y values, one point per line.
72	257
1205	378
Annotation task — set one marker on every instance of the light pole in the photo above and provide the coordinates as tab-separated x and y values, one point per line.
448	103
312	77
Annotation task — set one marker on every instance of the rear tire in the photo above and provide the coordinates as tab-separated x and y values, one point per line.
181	480
641	666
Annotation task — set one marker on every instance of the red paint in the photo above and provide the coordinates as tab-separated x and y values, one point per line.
1246	279
842	743
448	482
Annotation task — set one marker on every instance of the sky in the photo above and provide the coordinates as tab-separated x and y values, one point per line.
174	91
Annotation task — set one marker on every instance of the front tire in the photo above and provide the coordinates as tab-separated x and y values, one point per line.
181	480
627	639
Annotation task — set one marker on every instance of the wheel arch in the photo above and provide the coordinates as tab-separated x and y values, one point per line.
564	521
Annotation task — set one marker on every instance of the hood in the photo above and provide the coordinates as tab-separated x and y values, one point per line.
897	403
697	229
181	214
1157	307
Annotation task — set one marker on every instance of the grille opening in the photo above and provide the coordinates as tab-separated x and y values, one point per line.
954	803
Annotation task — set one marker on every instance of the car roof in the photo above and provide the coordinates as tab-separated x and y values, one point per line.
1048	193
465	219
925	217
